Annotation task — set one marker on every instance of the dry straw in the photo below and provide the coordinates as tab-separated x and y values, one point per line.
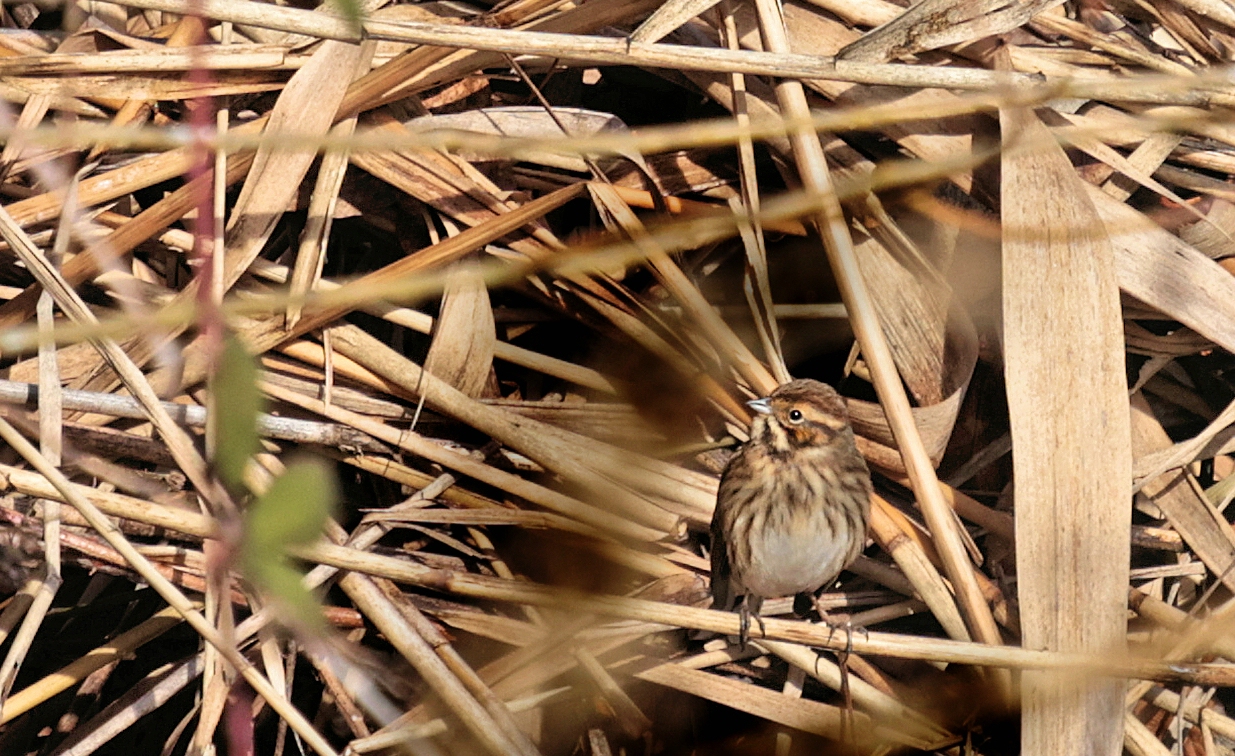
995	194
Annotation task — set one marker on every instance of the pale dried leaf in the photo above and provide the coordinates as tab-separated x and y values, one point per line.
307	106
1064	339
462	350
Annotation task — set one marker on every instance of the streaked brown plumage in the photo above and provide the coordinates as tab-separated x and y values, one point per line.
794	501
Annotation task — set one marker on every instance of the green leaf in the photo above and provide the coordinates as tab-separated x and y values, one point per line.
237	404
291	513
282	585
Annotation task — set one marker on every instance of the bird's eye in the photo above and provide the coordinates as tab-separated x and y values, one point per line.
795	416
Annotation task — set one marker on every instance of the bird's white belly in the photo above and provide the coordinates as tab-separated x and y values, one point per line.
790	561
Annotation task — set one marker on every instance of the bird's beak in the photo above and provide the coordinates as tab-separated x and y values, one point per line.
762	406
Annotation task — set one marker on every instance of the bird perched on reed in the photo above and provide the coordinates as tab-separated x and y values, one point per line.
794	501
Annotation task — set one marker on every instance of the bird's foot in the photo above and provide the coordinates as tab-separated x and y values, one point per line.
835	625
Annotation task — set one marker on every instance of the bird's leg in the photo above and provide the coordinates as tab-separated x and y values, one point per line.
750	606
825	619
756	604
818	607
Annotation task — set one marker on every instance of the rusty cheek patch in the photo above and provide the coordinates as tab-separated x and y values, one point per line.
808	434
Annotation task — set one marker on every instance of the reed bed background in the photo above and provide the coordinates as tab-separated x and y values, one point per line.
506	274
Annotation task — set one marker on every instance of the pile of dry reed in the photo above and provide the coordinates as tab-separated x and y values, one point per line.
513	269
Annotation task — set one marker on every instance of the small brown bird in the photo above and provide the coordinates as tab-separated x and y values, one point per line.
793	504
